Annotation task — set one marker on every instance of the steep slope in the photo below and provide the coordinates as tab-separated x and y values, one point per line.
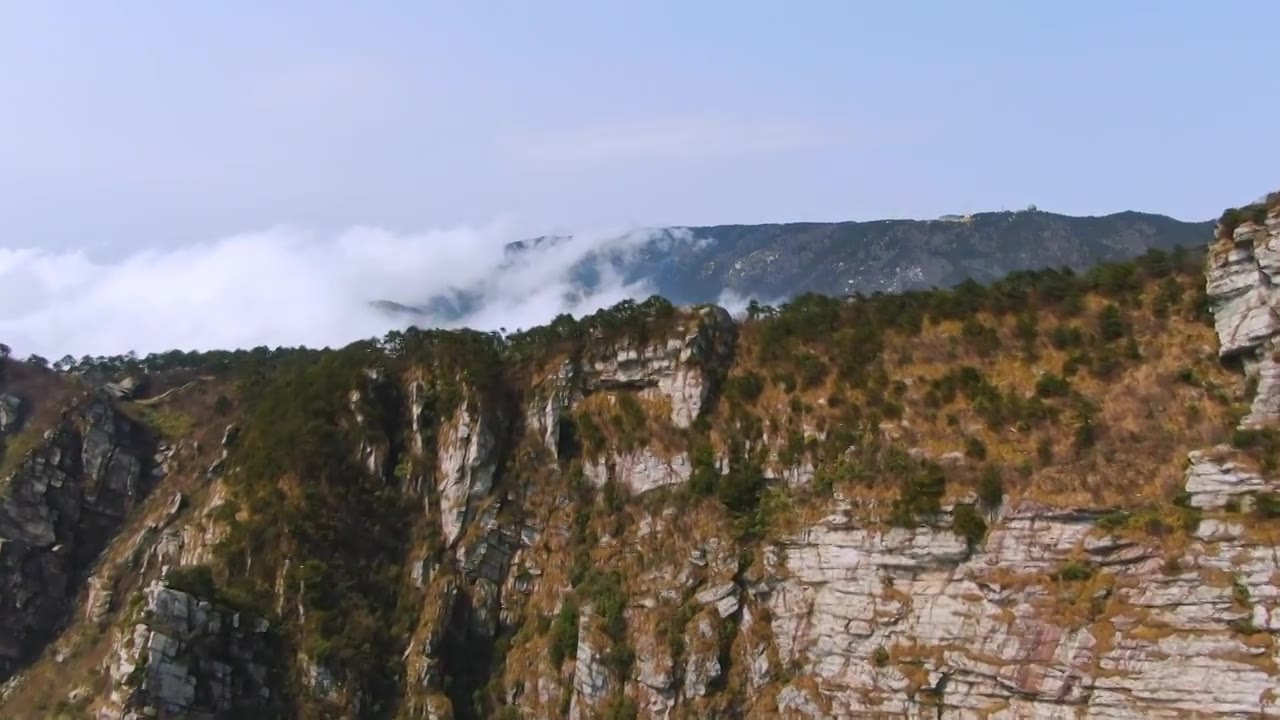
1045	497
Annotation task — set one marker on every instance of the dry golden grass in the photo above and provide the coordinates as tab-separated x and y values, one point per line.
1149	416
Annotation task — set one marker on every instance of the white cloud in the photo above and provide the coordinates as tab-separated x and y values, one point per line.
736	303
286	287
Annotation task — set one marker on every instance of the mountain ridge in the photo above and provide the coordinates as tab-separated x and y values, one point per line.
777	261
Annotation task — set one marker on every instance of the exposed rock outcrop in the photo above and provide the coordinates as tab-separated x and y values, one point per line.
639	471
1218	479
468	464
58	510
682	368
123	389
187	657
591	681
1242	276
10	414
884	622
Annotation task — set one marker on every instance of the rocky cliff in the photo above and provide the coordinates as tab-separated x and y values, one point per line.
62	504
1048	497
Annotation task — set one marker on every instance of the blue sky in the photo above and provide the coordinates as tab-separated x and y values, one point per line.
134	125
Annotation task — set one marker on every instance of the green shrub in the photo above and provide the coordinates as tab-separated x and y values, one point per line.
1240	593
982	338
1105	364
1264	443
990	488
785	380
610	601
920	494
675	630
621	708
1116	279
974	448
619	659
703	475
614	496
222	405
194	580
590	435
746	387
1243	626
1027	328
1230	219
1050	386
880	657
968	524
1086	434
1267	505
740	489
564	633
1111	324
796	405
1044	451
1066	337
1113	520
1074	572
1155	263
812	370
892	410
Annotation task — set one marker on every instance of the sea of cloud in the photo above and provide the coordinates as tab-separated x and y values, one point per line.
288	287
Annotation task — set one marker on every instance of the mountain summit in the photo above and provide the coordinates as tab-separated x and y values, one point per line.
698	264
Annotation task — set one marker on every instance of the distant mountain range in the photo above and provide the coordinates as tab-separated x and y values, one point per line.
778	261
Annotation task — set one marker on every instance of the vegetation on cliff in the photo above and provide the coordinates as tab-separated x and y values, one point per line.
922	408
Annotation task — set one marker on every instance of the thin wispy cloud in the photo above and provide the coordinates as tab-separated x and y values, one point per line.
287	287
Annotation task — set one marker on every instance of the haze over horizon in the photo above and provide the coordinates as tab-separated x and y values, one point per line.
150	152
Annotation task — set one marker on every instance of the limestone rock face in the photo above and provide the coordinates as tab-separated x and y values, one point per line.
591	680
639	471
10	414
468	462
186	657
423	656
1241	282
124	388
703	665
557	394
1217	479
682	369
883	621
58	510
654	675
